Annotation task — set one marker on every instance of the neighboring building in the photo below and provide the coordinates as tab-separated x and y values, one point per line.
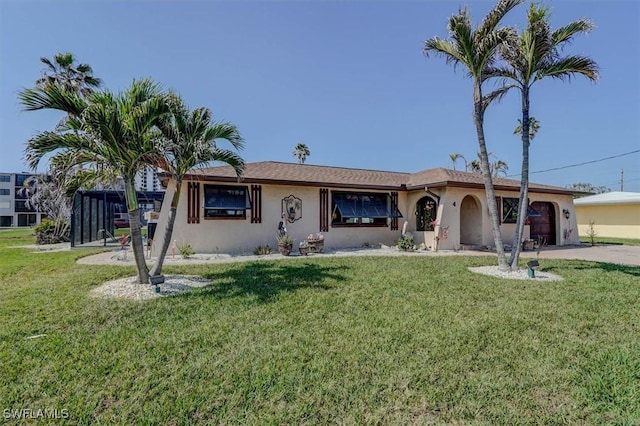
13	209
147	180
444	209
615	214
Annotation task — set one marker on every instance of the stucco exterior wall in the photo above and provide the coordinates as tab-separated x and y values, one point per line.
613	221
459	221
242	236
454	214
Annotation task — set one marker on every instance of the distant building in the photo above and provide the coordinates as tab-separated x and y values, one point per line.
13	208
147	180
614	214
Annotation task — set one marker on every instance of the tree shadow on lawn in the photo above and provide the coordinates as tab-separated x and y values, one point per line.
266	280
606	267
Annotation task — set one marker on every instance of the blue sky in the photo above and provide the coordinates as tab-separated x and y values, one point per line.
346	78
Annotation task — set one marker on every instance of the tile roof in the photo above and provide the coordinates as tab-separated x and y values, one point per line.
312	175
290	173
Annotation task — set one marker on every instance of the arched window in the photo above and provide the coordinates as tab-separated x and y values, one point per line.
426	213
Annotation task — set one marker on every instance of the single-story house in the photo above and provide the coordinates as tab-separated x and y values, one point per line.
614	214
442	208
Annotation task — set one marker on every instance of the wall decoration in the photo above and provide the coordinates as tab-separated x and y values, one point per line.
291	208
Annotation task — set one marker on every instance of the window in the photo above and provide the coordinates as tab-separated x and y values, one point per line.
5	191
226	202
21	206
426	214
361	209
20	179
510	210
5	178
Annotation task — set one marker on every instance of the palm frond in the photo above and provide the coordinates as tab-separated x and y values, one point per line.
493	18
497	95
51	96
444	48
48	142
567	67
566	33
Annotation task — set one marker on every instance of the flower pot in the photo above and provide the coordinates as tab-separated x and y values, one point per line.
285	250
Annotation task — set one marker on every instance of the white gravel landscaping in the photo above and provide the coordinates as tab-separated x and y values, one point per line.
521	274
128	288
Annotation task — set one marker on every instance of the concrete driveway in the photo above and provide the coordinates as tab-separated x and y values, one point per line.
609	253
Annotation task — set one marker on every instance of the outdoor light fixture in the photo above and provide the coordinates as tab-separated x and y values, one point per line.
532	264
567	213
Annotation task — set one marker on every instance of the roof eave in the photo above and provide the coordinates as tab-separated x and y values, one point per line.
227	179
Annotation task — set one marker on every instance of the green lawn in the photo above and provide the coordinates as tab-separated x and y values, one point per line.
323	340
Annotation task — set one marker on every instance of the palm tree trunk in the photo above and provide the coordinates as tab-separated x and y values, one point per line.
478	117
136	234
523	202
168	230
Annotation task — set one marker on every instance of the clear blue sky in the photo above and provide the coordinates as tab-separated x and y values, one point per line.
346	78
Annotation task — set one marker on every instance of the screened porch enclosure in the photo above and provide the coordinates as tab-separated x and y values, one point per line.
93	214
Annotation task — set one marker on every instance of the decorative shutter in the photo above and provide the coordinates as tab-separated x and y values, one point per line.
394	204
256	203
324	210
499	206
193	202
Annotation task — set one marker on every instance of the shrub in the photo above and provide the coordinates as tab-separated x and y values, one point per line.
262	250
186	250
284	239
51	232
591	232
406	243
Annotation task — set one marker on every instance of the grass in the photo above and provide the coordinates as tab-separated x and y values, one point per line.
605	240
323	340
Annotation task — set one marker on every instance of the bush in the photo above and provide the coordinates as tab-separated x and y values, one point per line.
51	232
406	243
186	250
262	250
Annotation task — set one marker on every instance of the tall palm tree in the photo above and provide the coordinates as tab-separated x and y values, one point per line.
476	49
537	53
114	131
65	72
301	151
190	141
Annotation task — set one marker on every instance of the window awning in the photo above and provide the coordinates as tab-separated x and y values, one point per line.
227	198
365	206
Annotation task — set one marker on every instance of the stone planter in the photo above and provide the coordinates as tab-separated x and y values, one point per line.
312	246
285	250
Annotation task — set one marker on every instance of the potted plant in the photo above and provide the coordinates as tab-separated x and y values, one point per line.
285	243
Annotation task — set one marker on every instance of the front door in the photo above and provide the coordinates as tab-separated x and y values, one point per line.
543	227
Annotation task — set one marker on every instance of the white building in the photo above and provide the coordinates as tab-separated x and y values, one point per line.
147	179
13	209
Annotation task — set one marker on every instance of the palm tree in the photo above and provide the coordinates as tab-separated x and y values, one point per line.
495	167
301	151
476	49
65	72
454	158
532	56
190	141
534	126
113	131
498	167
